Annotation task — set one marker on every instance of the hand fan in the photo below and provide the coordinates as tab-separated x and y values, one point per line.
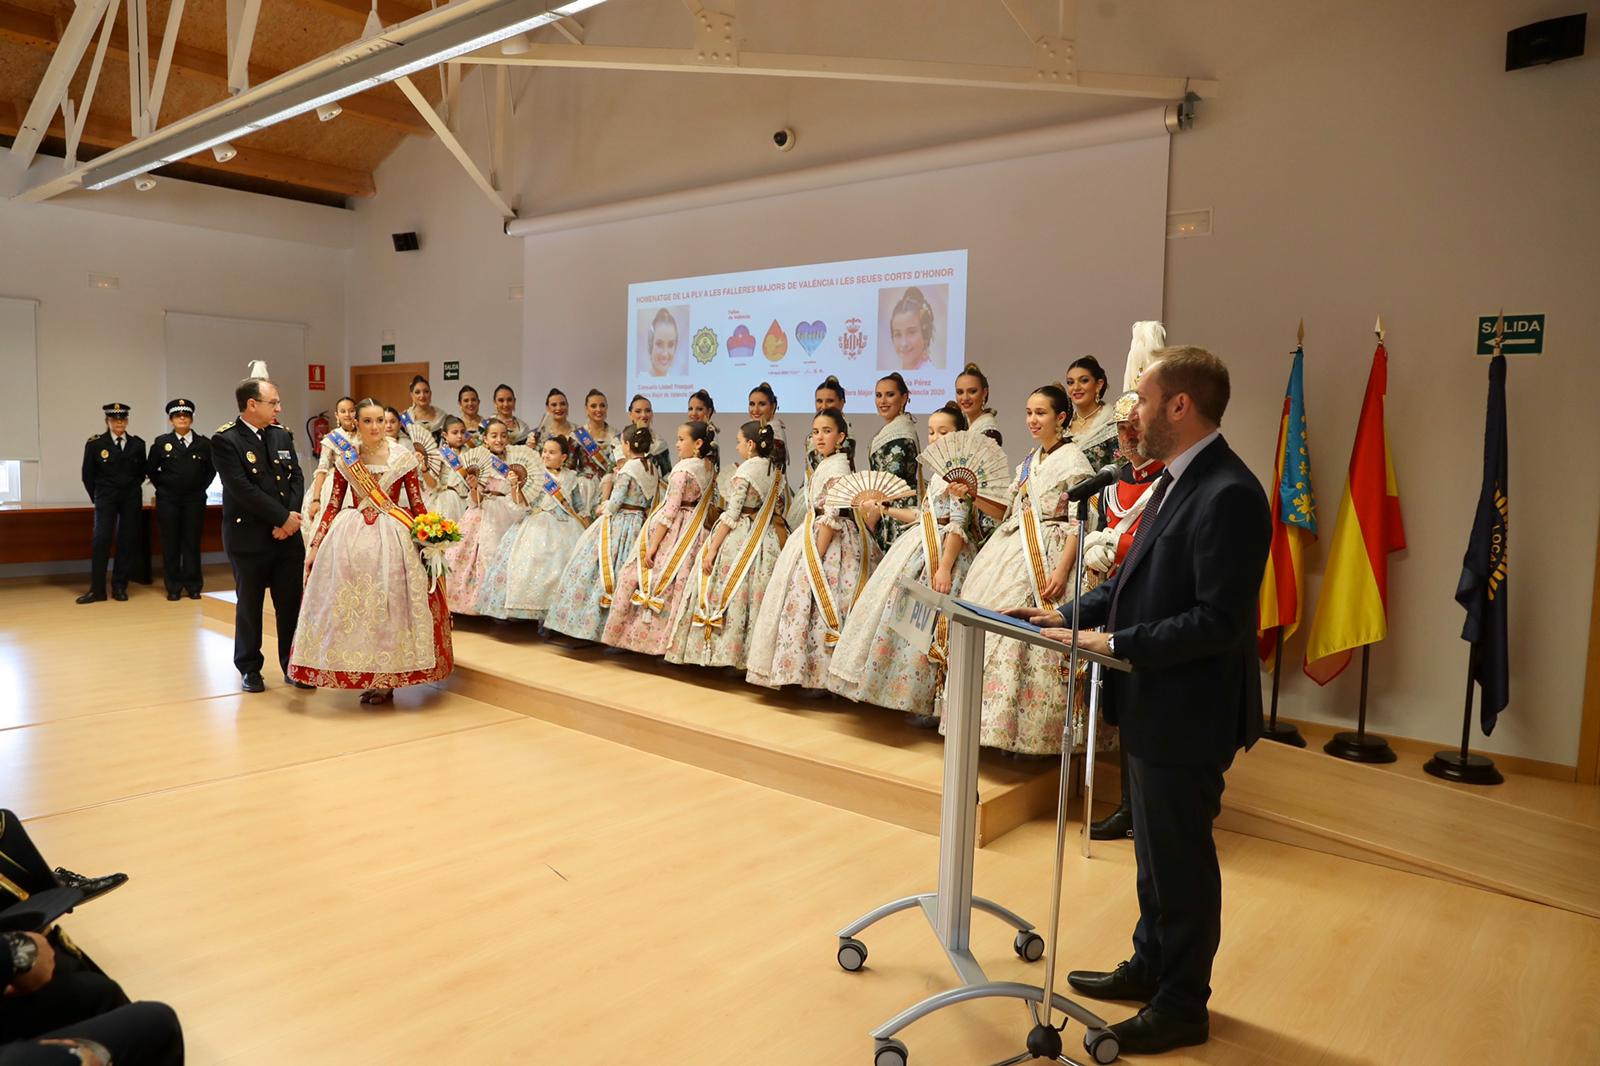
866	486
424	443
523	458
973	459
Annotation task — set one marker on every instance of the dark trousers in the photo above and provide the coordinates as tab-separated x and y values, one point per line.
1179	882
182	518
136	1034
76	992
255	573
114	520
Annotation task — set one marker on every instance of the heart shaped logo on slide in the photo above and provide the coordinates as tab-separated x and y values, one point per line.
775	345
742	344
811	335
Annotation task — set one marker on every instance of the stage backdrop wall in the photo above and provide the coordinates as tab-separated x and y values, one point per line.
1064	250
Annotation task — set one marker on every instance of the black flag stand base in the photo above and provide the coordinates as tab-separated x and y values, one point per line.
1282	732
1462	765
1358	746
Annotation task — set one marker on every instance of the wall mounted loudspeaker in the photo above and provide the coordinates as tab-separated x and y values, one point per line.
406	242
1538	43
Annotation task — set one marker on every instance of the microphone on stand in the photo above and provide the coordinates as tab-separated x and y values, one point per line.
1107	476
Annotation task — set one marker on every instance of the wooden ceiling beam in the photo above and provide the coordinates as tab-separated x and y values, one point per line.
253	162
30	28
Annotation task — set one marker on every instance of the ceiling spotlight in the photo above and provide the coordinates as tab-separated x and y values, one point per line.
224	152
329	112
144	183
516	46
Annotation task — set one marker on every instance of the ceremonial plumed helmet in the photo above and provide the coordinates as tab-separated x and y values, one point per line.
1122	410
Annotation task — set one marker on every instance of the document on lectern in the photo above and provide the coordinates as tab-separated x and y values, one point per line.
996	616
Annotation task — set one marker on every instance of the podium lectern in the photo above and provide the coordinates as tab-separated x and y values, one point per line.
949	910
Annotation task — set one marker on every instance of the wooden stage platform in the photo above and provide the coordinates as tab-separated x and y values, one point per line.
867	760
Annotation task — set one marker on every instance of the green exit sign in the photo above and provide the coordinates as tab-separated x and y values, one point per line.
1524	334
388	353
452	370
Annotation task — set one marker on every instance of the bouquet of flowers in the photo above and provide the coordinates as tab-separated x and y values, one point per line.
433	534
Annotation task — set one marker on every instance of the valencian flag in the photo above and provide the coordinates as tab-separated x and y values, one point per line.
1353	610
1482	590
1294	518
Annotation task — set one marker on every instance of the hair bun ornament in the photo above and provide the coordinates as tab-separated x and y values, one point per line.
971	368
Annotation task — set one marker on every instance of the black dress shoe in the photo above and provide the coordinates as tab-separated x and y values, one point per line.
1118	825
193	594
119	594
1150	1033
287	680
1121	983
252	682
91	597
172	597
89	886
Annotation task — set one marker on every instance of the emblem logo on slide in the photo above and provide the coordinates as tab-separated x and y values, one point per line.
853	341
742	345
705	344
811	335
775	345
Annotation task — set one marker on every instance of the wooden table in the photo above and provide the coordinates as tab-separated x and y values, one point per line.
64	532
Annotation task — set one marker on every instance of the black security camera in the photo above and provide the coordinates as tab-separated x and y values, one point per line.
784	139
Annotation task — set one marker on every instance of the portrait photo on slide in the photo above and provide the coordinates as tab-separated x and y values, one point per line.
911	327
662	341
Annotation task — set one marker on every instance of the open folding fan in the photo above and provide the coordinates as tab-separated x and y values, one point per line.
522	458
866	486
475	460
427	446
973	459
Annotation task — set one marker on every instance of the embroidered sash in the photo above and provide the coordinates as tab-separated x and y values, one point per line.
1032	541
652	586
819	581
591	450
938	651
553	488
362	481
707	618
451	457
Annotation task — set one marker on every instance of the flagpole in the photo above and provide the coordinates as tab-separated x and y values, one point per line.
1282	732
1463	766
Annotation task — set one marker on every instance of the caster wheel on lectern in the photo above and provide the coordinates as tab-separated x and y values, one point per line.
1029	946
1102	1045
889	1053
852	954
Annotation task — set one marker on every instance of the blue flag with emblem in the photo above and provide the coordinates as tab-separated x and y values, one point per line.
1482	589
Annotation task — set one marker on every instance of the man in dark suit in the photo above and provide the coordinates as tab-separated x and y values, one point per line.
1182	611
113	475
181	471
261	488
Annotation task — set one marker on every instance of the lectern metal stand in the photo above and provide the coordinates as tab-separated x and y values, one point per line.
949	910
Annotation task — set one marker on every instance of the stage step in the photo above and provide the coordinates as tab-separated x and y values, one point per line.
858	758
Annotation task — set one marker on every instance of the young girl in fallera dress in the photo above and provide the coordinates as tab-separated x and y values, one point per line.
763	405
589	584
642	414
392	428
362	553
523	579
317	493
894	448
829	396
592	468
1024	699
657	578
823	568
490	512
734	568
874	664
446	491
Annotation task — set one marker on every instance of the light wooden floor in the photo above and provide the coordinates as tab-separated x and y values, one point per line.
450	882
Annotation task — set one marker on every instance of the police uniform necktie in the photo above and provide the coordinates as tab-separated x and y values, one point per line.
120	442
1140	538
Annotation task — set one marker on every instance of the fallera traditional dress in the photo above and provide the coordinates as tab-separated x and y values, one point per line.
714	621
659	459
811	593
483	527
1098	440
449	500
428	425
987	424
519	432
1024	687
368	618
874	664
647	598
589	584
590	469
894	451
526	573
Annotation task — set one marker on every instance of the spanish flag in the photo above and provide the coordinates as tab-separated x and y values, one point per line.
1294	518
1353	610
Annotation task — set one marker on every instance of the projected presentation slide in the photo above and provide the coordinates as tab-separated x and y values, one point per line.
793	326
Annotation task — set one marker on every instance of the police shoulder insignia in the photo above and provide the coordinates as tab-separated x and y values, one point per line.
225	427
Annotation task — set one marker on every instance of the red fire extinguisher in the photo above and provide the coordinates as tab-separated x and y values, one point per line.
317	427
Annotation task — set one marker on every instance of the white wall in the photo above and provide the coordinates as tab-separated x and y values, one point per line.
1364	157
98	346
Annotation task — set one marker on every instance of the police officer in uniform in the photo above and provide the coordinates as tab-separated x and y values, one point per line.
181	471
113	476
262	486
